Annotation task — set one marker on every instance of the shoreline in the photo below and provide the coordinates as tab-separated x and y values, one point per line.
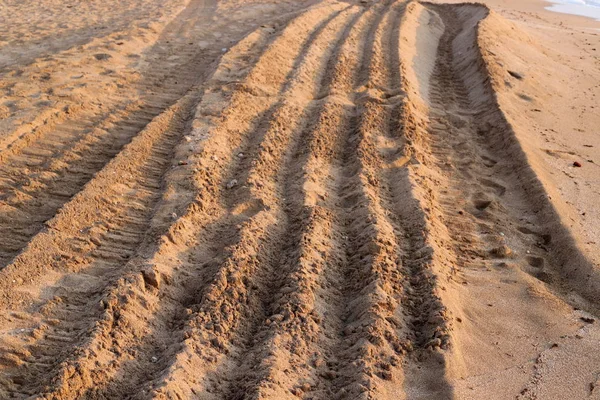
584	10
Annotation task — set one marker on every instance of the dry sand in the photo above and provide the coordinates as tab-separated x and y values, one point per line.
321	200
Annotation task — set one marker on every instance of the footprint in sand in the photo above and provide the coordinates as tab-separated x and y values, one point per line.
488	162
535	262
482	203
546	237
500	189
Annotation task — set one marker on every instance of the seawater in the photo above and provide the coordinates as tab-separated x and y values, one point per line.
586	8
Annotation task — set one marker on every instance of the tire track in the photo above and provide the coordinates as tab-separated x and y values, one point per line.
392	309
426	319
316	359
41	170
277	233
260	234
140	345
134	347
77	240
370	276
255	251
290	305
489	182
446	87
495	206
92	244
246	382
120	326
293	327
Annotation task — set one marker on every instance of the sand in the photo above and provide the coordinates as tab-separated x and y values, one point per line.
279	200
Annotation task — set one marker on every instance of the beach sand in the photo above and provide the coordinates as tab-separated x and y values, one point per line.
254	199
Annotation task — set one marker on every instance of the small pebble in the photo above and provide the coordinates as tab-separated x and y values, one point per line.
232	183
577	164
154	359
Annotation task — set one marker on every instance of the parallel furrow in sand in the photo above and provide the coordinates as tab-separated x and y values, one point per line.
139	346
370	276
237	302
92	237
276	361
41	177
141	325
44	166
302	350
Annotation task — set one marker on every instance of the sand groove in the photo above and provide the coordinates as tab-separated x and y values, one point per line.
272	188
165	321
40	171
189	293
92	249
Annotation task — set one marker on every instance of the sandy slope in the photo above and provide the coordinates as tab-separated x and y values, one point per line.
329	200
